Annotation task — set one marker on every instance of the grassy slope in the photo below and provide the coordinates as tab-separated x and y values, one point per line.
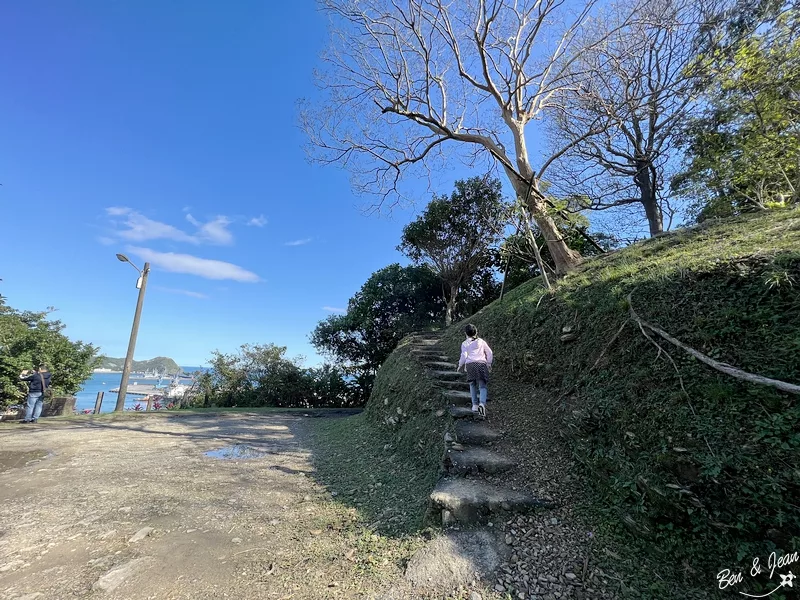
724	289
397	442
385	462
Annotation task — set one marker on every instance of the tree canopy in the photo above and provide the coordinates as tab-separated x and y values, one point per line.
392	303
29	338
629	96
405	83
743	150
455	236
262	375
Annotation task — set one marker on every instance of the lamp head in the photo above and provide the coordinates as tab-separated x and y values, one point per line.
122	258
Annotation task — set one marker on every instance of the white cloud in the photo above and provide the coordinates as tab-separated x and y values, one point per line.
298	242
106	241
182	292
139	228
193	265
334	310
215	231
259	221
116	211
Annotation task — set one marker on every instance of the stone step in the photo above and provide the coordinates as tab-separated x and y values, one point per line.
475	433
447	374
425	342
432	357
457	395
438	364
461	412
453	384
474	459
471	501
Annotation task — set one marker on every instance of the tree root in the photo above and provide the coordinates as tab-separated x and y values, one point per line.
718	366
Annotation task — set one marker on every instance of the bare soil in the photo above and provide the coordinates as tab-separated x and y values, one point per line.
257	527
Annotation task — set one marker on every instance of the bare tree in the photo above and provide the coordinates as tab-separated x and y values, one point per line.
404	77
632	92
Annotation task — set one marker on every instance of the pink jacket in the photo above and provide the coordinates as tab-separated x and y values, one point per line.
475	350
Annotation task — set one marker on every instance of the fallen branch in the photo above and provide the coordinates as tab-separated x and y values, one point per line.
719	366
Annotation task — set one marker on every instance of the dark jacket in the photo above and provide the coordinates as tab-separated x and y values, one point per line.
36	382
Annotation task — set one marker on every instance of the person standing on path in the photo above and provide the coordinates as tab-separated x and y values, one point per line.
39	382
476	360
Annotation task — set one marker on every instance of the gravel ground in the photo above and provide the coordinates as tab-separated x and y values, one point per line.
552	549
132	508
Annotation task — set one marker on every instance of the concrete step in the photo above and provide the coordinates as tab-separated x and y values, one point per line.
447	374
470	501
475	433
461	412
438	364
474	459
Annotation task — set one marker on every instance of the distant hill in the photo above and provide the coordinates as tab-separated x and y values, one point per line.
161	364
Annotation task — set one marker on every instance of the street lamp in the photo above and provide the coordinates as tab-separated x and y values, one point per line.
141	284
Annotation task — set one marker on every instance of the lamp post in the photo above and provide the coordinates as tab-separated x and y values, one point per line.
141	284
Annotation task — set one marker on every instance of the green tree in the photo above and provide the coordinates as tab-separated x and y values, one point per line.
262	375
455	236
518	258
392	303
28	339
744	148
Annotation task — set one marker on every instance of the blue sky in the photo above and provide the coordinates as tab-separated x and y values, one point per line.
168	131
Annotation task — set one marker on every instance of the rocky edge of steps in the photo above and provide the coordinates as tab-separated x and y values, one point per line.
545	557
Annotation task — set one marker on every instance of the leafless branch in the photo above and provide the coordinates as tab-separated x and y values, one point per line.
405	82
620	113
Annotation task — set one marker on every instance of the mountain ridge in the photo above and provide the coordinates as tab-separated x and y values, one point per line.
161	364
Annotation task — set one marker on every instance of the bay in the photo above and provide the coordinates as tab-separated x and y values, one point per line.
104	382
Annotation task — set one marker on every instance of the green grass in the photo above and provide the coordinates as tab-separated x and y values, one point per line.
397	442
357	463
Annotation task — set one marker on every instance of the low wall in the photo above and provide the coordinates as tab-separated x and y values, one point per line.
59	405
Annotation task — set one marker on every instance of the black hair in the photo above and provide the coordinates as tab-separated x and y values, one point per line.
471	330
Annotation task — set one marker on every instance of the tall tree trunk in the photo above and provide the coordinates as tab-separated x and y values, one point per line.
564	258
451	305
648	198
448	315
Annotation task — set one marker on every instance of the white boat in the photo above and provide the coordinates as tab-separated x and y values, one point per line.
177	390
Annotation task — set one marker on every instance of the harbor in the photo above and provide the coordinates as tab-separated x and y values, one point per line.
143	390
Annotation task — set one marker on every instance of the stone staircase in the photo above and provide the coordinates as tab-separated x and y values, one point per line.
463	496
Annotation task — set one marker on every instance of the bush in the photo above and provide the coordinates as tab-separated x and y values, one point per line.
260	375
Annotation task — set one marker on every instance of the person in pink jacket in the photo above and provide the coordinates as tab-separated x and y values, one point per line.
476	360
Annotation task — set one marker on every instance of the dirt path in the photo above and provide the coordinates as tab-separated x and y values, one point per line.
247	528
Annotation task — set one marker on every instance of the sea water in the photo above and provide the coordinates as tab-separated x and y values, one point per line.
104	382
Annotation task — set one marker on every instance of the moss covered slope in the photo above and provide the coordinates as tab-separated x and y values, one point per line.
682	458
